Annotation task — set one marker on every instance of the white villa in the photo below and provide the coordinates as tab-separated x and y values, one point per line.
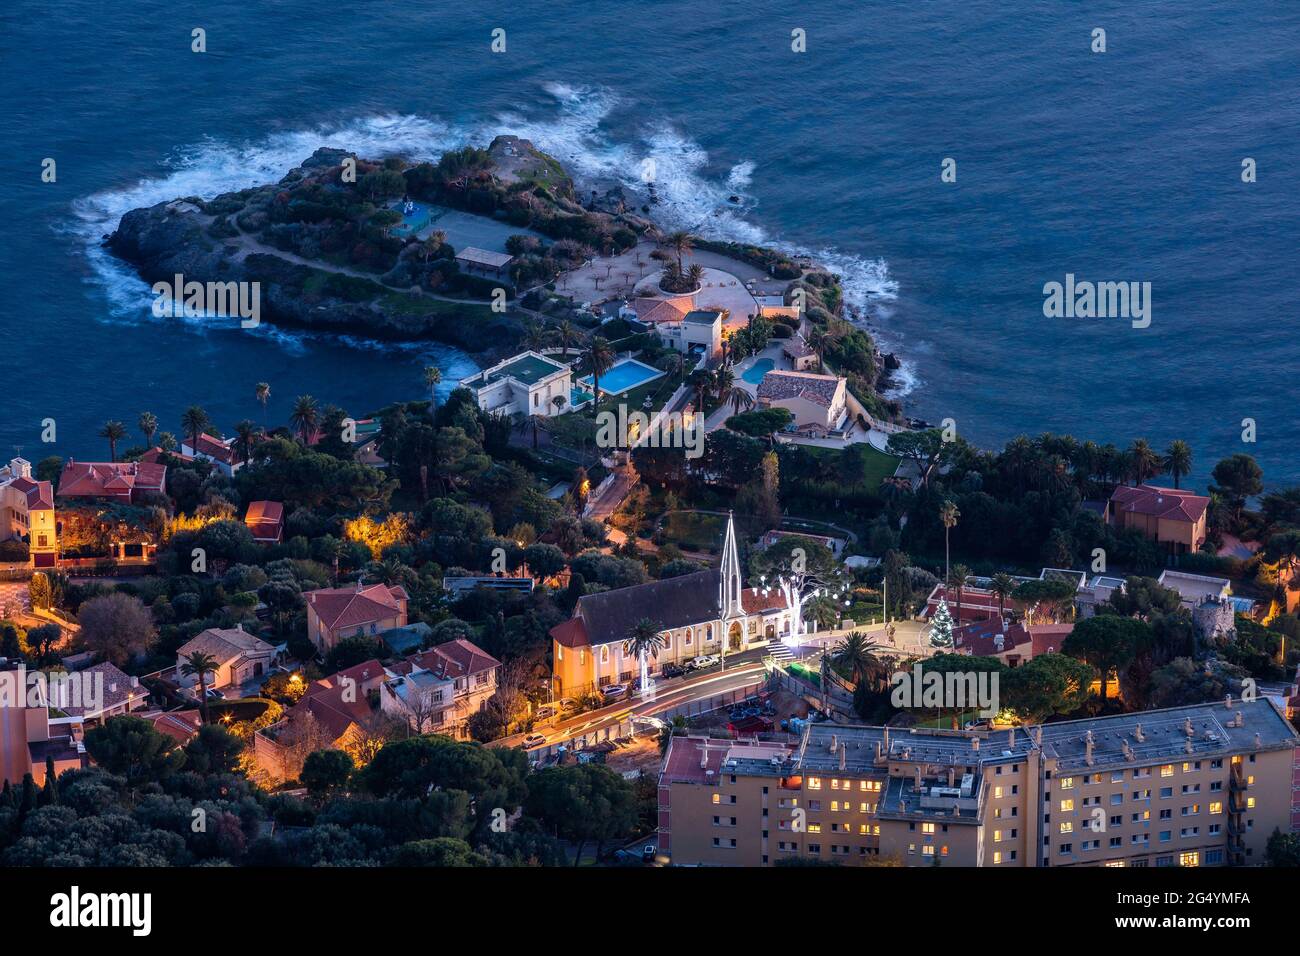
697	332
528	384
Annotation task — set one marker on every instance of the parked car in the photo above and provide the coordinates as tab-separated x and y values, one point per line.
703	661
674	670
613	691
534	740
214	694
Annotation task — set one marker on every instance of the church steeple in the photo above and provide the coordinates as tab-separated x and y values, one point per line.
730	586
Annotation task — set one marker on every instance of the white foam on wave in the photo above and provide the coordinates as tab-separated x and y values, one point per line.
688	196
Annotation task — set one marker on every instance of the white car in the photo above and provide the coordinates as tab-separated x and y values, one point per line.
613	690
703	661
534	740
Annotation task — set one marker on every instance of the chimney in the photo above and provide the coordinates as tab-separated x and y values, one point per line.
916	785
843	755
1038	735
952	776
1187	727
1087	746
1259	742
834	742
704	757
1011	737
1137	732
975	743
886	738
878	751
1227	701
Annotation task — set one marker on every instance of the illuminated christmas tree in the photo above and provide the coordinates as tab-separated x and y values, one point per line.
941	626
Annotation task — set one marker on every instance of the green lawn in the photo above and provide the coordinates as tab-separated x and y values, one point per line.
694	532
876	464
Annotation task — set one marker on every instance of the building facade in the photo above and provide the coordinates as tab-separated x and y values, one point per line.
704	613
1203	785
528	384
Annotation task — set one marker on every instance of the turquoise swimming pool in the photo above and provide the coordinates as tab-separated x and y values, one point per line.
754	374
623	376
579	397
413	221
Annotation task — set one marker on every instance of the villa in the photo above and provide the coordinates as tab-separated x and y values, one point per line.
123	481
1172	517
662	311
220	452
800	353
240	657
817	402
698	332
694	611
438	690
27	512
527	384
337	613
265	520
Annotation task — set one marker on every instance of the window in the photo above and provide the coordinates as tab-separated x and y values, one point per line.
1216	806
814	783
1167	770
927	827
1067	806
1067	783
997	856
1067	826
1191	858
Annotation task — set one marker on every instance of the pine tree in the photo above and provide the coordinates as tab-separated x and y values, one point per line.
50	792
28	802
7	797
941	626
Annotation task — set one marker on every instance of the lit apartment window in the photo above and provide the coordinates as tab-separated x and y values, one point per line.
943	850
911	849
835	804
1067	783
997	836
814	783
1190	858
927	851
814	828
1250	780
1167	770
927	827
997	856
1067	826
997	793
1250	803
1067	806
1114	863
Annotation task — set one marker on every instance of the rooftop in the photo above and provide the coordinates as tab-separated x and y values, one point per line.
781	384
527	368
702	317
1173	504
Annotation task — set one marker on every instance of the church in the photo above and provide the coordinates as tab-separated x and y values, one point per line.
694	611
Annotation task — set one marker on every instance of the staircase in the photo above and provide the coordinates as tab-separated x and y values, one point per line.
780	653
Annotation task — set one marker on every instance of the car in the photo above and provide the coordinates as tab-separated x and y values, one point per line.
546	712
534	740
703	661
612	691
673	670
213	694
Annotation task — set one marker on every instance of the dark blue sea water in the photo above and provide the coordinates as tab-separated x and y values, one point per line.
1122	166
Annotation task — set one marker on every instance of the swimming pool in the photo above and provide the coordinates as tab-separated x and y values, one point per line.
623	376
579	397
754	374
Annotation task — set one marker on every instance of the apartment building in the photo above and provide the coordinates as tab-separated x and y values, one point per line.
1202	785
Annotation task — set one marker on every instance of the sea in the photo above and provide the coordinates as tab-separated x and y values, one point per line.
1107	141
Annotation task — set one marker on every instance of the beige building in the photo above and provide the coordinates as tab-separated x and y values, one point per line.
1173	517
27	513
358	611
240	657
1202	785
817	402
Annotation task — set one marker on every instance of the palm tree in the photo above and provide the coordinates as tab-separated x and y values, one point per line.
695	274
534	338
167	441
644	638
114	432
565	334
432	378
194	422
600	356
724	380
857	652
958	581
818	339
1178	459
701	380
263	393
739	398
680	243
148	424
200	665
1002	584
245	432
1143	461
948	514
305	417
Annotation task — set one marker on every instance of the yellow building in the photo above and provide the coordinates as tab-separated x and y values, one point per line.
695	611
27	512
1188	786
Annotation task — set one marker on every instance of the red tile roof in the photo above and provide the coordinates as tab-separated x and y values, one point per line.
458	658
339	701
1172	504
572	633
110	479
180	725
214	448
753	600
350	607
265	519
980	637
1048	638
40	494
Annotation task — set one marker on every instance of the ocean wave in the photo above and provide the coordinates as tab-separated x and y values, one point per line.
686	194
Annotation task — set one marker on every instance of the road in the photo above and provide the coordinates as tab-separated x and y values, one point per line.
742	670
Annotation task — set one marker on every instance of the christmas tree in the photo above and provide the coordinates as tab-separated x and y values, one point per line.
941	626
